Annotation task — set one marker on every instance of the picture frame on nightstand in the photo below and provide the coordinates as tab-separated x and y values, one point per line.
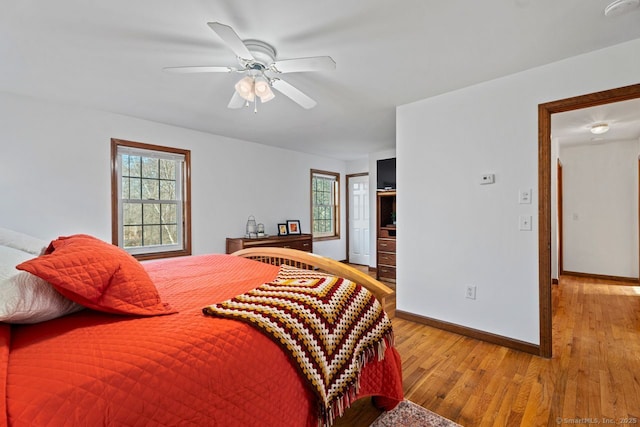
282	230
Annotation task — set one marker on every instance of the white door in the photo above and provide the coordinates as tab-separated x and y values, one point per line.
358	193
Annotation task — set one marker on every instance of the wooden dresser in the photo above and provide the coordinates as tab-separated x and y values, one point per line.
386	236
303	242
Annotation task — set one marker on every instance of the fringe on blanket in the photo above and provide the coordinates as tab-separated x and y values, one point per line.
340	404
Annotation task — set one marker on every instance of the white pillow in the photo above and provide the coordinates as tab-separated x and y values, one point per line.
21	241
25	298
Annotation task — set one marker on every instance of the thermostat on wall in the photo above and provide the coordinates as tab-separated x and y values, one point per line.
488	178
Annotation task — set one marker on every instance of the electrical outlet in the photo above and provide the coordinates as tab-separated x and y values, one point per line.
525	222
471	292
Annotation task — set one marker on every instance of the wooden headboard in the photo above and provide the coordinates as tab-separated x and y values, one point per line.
310	261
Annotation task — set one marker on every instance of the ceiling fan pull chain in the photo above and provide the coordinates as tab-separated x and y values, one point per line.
255	105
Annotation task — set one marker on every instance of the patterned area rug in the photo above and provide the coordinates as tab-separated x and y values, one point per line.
408	414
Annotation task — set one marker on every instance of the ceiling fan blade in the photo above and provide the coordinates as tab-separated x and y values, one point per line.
200	69
229	36
236	101
315	63
295	94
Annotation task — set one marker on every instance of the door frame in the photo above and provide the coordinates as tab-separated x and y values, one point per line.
544	188
348	193
560	220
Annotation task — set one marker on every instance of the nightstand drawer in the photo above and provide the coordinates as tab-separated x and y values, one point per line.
386	245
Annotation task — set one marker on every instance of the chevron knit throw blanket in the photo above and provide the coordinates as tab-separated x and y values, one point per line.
331	327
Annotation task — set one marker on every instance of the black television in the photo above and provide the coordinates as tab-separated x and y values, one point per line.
387	174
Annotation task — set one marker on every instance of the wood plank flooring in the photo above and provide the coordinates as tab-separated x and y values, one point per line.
592	379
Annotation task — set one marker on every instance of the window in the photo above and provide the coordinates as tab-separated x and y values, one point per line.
325	205
150	203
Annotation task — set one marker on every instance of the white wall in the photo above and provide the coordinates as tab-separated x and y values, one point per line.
55	175
358	166
600	208
456	232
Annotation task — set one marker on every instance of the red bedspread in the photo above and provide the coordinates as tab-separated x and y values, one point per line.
92	368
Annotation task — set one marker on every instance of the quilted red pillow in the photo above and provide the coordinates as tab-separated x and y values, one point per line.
97	275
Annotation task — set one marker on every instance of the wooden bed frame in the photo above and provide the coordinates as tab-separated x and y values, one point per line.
310	261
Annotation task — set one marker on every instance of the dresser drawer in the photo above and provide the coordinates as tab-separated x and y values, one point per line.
386	245
386	272
301	245
301	242
388	259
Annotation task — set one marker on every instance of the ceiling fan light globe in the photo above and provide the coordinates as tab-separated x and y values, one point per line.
267	96
244	87
261	86
262	89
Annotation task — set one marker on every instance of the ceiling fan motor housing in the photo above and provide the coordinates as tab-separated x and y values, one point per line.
263	53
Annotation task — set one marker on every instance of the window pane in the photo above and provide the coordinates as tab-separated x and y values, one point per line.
134	165
150	167
167	190
135	185
132	213
151	213
150	189
169	234
169	214
125	165
167	169
132	236
151	235
125	188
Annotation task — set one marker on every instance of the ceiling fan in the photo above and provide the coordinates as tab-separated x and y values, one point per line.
257	61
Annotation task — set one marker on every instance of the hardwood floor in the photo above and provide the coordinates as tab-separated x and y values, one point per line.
593	377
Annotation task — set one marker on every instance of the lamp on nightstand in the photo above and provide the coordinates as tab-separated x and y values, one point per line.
252	228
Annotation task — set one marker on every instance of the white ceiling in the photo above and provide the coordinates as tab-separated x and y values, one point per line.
110	55
574	127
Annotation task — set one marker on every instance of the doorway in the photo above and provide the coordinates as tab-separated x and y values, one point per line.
599	237
358	219
544	185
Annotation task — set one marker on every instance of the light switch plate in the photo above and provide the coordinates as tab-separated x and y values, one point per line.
524	197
